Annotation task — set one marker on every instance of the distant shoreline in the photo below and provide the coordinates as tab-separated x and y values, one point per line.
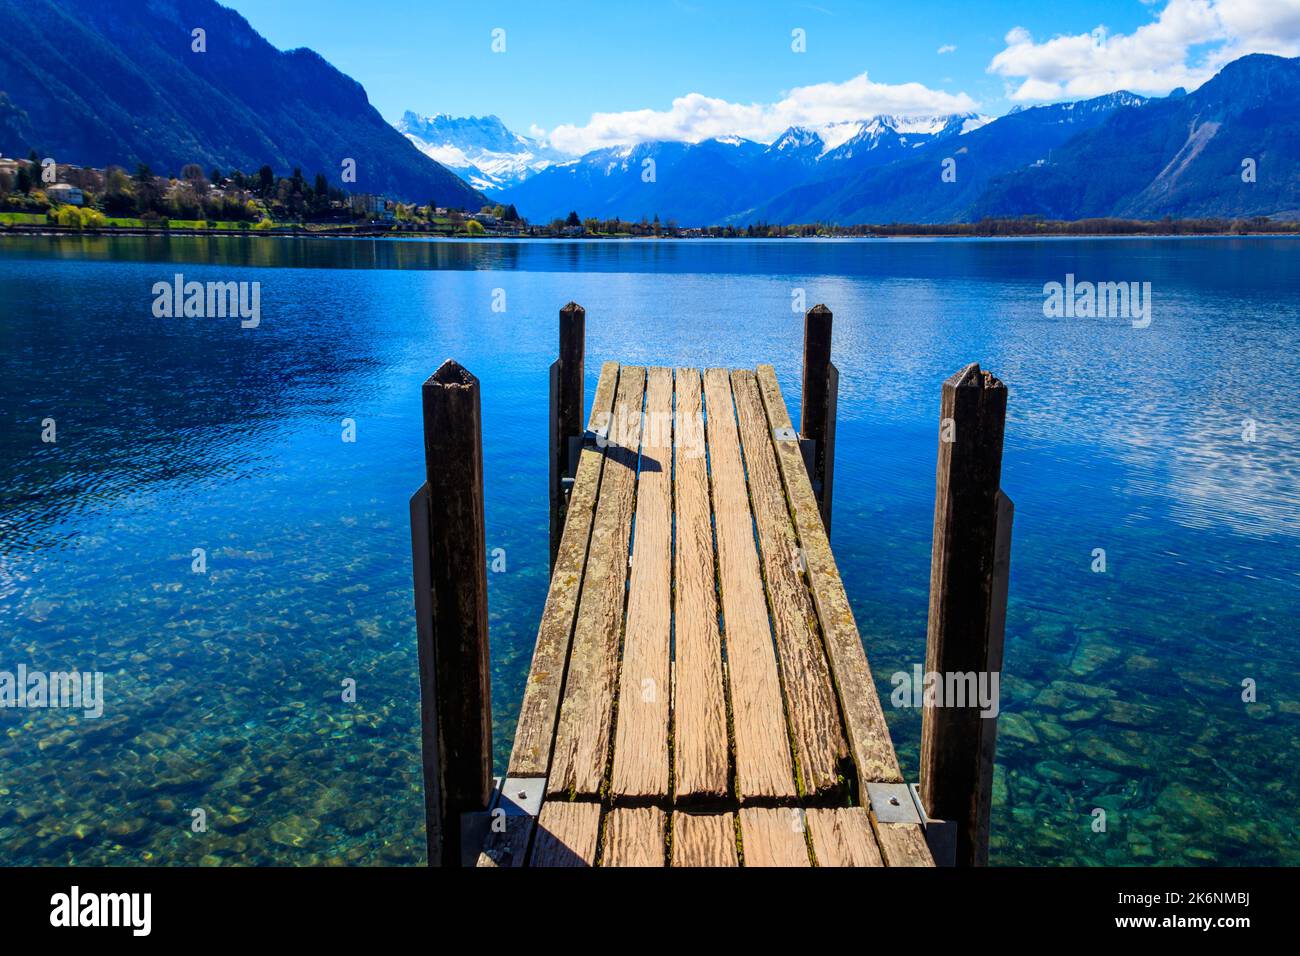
957	231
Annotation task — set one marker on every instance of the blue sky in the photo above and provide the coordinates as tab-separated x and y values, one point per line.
591	73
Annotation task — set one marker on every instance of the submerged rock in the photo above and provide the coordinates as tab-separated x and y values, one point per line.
1017	727
1093	653
1128	714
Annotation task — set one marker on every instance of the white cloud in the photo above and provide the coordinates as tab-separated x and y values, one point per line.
1185	45
696	117
947	48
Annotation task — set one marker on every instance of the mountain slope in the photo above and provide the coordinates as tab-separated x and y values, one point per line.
1180	156
723	180
911	188
119	83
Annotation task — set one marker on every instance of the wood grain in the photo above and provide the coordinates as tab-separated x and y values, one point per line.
806	680
902	844
773	836
582	736
634	837
704	839
699	707
535	730
967	479
455	687
641	737
864	720
842	836
567	834
763	762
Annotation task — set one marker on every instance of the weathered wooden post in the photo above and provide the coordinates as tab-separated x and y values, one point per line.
449	557
566	414
969	570
821	385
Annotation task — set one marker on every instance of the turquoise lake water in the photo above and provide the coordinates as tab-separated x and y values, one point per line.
1122	690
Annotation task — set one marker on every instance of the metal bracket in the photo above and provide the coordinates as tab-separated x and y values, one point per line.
784	433
940	835
522	796
892	803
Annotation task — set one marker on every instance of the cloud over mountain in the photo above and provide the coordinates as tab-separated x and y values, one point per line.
696	117
1185	45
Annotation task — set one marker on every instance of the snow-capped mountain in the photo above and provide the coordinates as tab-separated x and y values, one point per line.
839	141
480	148
725	179
1119	154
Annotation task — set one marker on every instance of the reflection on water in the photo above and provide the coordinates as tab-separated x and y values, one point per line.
1122	690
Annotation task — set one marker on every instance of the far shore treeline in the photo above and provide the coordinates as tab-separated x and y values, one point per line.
45	197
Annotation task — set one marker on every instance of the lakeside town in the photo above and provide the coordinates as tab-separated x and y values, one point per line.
40	195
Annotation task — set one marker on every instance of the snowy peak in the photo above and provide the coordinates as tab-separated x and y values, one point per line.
480	148
844	140
798	140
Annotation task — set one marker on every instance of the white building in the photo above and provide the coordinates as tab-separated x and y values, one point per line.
63	193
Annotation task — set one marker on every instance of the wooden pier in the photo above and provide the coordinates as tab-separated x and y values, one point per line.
699	694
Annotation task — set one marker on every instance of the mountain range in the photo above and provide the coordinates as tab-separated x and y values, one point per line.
95	83
92	83
1115	155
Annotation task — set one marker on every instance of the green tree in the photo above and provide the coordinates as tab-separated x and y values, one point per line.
573	220
265	181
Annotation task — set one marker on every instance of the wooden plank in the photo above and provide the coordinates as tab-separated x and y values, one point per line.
535	730
699	705
972	417
763	763
902	844
842	836
806	680
704	839
641	737
773	836
582	736
634	837
456	673
567	834
864	720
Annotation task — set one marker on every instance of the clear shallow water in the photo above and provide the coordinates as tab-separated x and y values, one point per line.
1121	690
